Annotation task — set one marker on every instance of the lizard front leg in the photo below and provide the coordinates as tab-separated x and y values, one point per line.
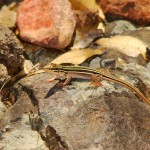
67	77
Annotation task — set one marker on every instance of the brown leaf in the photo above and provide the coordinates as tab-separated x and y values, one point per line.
85	37
77	56
88	4
89	22
86	28
128	45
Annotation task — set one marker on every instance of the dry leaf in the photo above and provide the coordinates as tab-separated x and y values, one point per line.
89	22
101	27
86	28
7	17
84	38
89	4
77	6
77	56
128	45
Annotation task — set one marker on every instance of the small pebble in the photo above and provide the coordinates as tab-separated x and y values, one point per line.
108	63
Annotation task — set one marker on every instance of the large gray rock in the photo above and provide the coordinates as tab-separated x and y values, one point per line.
15	126
79	116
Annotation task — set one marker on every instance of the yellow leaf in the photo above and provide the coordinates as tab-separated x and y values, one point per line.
77	56
128	45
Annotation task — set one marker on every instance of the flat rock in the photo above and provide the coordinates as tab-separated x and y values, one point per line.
15	126
79	116
135	10
22	107
51	23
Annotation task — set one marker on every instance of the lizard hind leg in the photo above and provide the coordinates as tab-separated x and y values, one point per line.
96	82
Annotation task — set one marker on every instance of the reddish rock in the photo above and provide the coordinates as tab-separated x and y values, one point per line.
137	11
47	23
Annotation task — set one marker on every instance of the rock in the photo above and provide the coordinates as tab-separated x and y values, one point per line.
39	54
15	126
11	51
108	63
110	117
2	108
3	75
95	62
148	66
25	137
135	10
18	110
51	23
118	27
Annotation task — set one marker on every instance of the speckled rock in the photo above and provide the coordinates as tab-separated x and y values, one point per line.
119	26
135	10
15	126
111	117
3	74
51	23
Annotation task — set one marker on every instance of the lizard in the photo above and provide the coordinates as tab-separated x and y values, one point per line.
96	75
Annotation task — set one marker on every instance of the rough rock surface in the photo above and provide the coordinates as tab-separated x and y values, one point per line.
118	27
108	117
11	50
39	54
3	74
51	23
15	126
2	108
135	10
